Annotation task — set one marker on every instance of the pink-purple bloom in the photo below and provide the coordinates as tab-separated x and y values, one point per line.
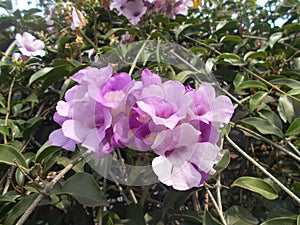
134	10
29	45
179	124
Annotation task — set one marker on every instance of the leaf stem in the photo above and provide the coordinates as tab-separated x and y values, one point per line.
274	179
8	106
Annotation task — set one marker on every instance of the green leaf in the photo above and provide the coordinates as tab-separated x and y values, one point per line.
228	56
8	198
223	163
232	38
84	188
256	185
16	109
134	212
291	83
296	187
45	150
237	215
285	108
209	219
171	198
274	38
8	154
113	31
238	80
180	29
19	209
255	55
39	74
295	91
20	178
257	99
294	128
262	125
280	221
251	84
4	130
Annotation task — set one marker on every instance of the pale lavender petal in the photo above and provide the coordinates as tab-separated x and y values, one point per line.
57	138
149	78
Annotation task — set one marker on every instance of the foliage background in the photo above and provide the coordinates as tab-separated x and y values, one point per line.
256	63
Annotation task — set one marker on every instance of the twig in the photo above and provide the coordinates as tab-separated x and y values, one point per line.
274	179
203	44
49	187
11	172
270	84
195	200
293	147
133	196
216	206
8	107
119	187
36	186
137	57
265	140
8	50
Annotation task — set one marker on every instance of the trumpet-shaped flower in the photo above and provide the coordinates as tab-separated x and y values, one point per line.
29	45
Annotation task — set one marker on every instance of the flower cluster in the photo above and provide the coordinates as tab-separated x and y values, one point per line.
178	123
133	10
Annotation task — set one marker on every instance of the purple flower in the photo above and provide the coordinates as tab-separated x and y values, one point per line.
119	5
29	45
208	108
151	107
83	119
132	9
187	167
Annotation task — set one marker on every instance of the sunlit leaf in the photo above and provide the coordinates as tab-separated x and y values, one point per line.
294	128
256	185
257	99
262	125
285	108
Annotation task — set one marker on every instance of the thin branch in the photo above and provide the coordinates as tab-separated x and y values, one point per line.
49	187
274	179
270	84
137	57
9	50
265	140
220	212
195	200
8	106
36	186
293	147
203	44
